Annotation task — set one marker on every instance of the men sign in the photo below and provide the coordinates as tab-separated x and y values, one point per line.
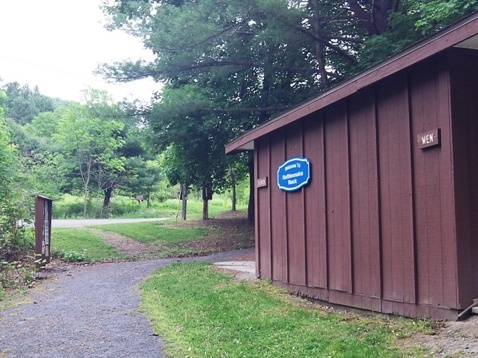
293	174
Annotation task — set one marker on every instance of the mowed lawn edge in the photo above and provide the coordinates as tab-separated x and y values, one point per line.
200	312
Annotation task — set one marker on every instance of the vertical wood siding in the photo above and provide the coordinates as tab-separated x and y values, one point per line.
464	85
295	217
338	200
280	265
263	222
365	202
315	204
436	252
396	191
383	225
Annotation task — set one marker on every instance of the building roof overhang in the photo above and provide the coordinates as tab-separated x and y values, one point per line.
463	34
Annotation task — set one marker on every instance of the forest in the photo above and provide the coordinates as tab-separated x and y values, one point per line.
224	67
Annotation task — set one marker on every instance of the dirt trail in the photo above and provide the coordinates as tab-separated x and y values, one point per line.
123	244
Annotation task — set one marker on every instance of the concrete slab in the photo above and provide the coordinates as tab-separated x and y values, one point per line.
242	270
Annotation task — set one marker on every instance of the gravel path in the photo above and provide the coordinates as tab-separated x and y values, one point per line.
87	311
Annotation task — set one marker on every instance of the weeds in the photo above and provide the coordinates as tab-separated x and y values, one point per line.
15	275
71	255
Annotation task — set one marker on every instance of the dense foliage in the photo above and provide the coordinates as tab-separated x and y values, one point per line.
14	238
90	149
228	66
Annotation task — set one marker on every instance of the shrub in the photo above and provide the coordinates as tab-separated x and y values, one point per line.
71	255
69	206
15	203
15	274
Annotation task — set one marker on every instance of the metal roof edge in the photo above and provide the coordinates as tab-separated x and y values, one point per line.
442	40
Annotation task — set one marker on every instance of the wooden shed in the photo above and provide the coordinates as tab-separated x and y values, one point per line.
386	216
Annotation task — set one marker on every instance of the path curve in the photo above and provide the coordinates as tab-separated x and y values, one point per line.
87	311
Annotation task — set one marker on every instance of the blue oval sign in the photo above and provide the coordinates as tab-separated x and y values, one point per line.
293	174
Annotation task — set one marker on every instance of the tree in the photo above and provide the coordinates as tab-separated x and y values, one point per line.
144	178
408	23
89	148
233	74
13	199
23	103
6	154
230	66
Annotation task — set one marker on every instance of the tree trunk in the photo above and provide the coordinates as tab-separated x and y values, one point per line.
205	209
319	46
206	196
234	194
381	11
106	202
85	200
86	175
376	22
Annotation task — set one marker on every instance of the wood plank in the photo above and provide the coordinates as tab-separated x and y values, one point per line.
396	192
364	186
278	211
295	213
315	203
433	211
263	211
338	200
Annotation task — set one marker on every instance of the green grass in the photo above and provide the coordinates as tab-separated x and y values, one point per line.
200	312
70	206
150	232
81	245
164	238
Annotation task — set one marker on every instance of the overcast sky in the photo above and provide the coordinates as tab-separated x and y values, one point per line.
57	44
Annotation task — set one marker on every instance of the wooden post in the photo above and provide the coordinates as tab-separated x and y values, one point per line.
234	194
206	196
43	217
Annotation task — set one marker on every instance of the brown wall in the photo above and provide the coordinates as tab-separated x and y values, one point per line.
464	84
375	228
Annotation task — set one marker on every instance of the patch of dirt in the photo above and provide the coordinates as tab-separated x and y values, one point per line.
229	231
450	339
123	243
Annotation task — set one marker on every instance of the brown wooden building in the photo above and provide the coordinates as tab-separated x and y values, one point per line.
388	220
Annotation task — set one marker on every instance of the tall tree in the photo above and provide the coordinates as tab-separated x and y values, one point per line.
89	147
229	66
227	69
13	198
23	103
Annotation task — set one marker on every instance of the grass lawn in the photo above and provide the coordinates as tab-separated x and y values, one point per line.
150	232
76	245
164	238
200	312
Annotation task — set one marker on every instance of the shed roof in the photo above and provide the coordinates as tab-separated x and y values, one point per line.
462	34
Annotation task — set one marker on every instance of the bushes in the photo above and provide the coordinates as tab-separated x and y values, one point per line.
70	206
15	240
14	208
